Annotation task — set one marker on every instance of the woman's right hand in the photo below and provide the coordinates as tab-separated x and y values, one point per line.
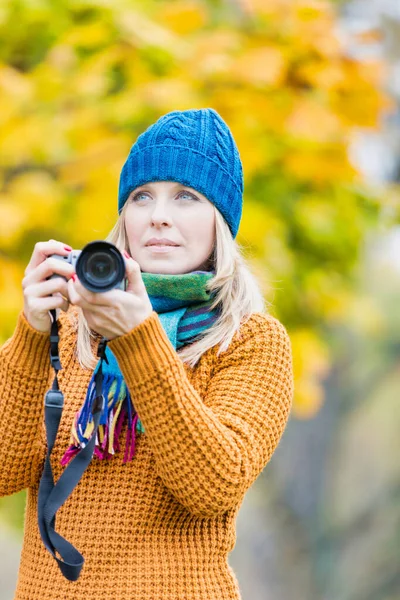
38	300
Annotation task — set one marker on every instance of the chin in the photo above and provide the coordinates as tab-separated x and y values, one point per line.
165	269
161	269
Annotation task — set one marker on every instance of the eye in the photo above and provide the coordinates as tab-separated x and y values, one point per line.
184	193
136	196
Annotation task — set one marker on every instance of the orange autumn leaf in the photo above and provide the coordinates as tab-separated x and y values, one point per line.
260	66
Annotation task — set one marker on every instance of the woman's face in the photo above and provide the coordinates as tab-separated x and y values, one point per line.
167	209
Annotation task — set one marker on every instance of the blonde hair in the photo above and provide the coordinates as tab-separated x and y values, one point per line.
238	294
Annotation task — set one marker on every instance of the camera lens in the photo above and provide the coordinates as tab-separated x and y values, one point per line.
100	266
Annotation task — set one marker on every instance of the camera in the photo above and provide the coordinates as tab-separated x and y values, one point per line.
99	265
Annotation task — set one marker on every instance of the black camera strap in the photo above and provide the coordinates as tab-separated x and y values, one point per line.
52	496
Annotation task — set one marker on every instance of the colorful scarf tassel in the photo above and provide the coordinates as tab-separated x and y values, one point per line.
119	406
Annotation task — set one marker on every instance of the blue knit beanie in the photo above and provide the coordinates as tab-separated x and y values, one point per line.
195	148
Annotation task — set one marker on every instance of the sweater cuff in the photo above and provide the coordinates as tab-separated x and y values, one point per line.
28	349
143	349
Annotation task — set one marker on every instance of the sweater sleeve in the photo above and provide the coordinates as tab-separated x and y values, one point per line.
24	380
209	450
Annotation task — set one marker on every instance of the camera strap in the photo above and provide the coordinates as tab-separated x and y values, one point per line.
52	496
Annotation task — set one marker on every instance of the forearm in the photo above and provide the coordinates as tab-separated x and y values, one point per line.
24	380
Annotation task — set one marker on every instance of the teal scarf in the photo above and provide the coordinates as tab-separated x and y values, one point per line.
183	306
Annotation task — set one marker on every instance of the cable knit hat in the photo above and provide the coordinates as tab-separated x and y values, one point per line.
195	148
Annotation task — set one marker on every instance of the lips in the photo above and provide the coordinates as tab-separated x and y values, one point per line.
161	242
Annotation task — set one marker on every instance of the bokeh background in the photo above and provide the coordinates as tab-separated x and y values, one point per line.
310	90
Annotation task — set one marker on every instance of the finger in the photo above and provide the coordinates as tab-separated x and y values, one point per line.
135	283
78	295
92	298
43	250
45	288
49	268
73	295
37	305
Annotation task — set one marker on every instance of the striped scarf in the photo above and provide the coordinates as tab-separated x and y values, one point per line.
183	306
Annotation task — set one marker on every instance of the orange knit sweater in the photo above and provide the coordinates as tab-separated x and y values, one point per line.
161	526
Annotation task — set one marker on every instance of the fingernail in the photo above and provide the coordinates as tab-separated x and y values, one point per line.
126	254
73	277
67	248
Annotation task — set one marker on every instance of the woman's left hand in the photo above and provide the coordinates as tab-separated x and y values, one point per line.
113	313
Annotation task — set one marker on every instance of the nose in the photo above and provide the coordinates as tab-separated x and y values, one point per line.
160	215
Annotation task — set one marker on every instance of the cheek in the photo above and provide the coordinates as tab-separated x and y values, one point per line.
202	227
134	228
200	222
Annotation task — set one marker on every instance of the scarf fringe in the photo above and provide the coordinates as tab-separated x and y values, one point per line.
116	411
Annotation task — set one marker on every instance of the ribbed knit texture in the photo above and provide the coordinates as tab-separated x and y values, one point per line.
194	147
161	526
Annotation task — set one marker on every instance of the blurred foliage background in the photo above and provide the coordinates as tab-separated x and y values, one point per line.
79	81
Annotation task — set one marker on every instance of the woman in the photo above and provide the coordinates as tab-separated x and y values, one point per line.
202	382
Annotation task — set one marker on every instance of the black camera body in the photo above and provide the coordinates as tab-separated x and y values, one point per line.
99	266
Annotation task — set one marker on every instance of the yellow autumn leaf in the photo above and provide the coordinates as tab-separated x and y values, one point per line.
86	130
319	74
37	139
336	305
268	111
320	165
316	218
260	66
168	94
256	223
93	78
374	71
100	191
311	364
15	84
276	8
324	292
11	295
252	148
48	81
62	57
308	398
13	219
141	31
264	233
218	41
87	35
365	315
108	153
38	195
278	256
8	112
213	54
313	11
312	120
183	17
